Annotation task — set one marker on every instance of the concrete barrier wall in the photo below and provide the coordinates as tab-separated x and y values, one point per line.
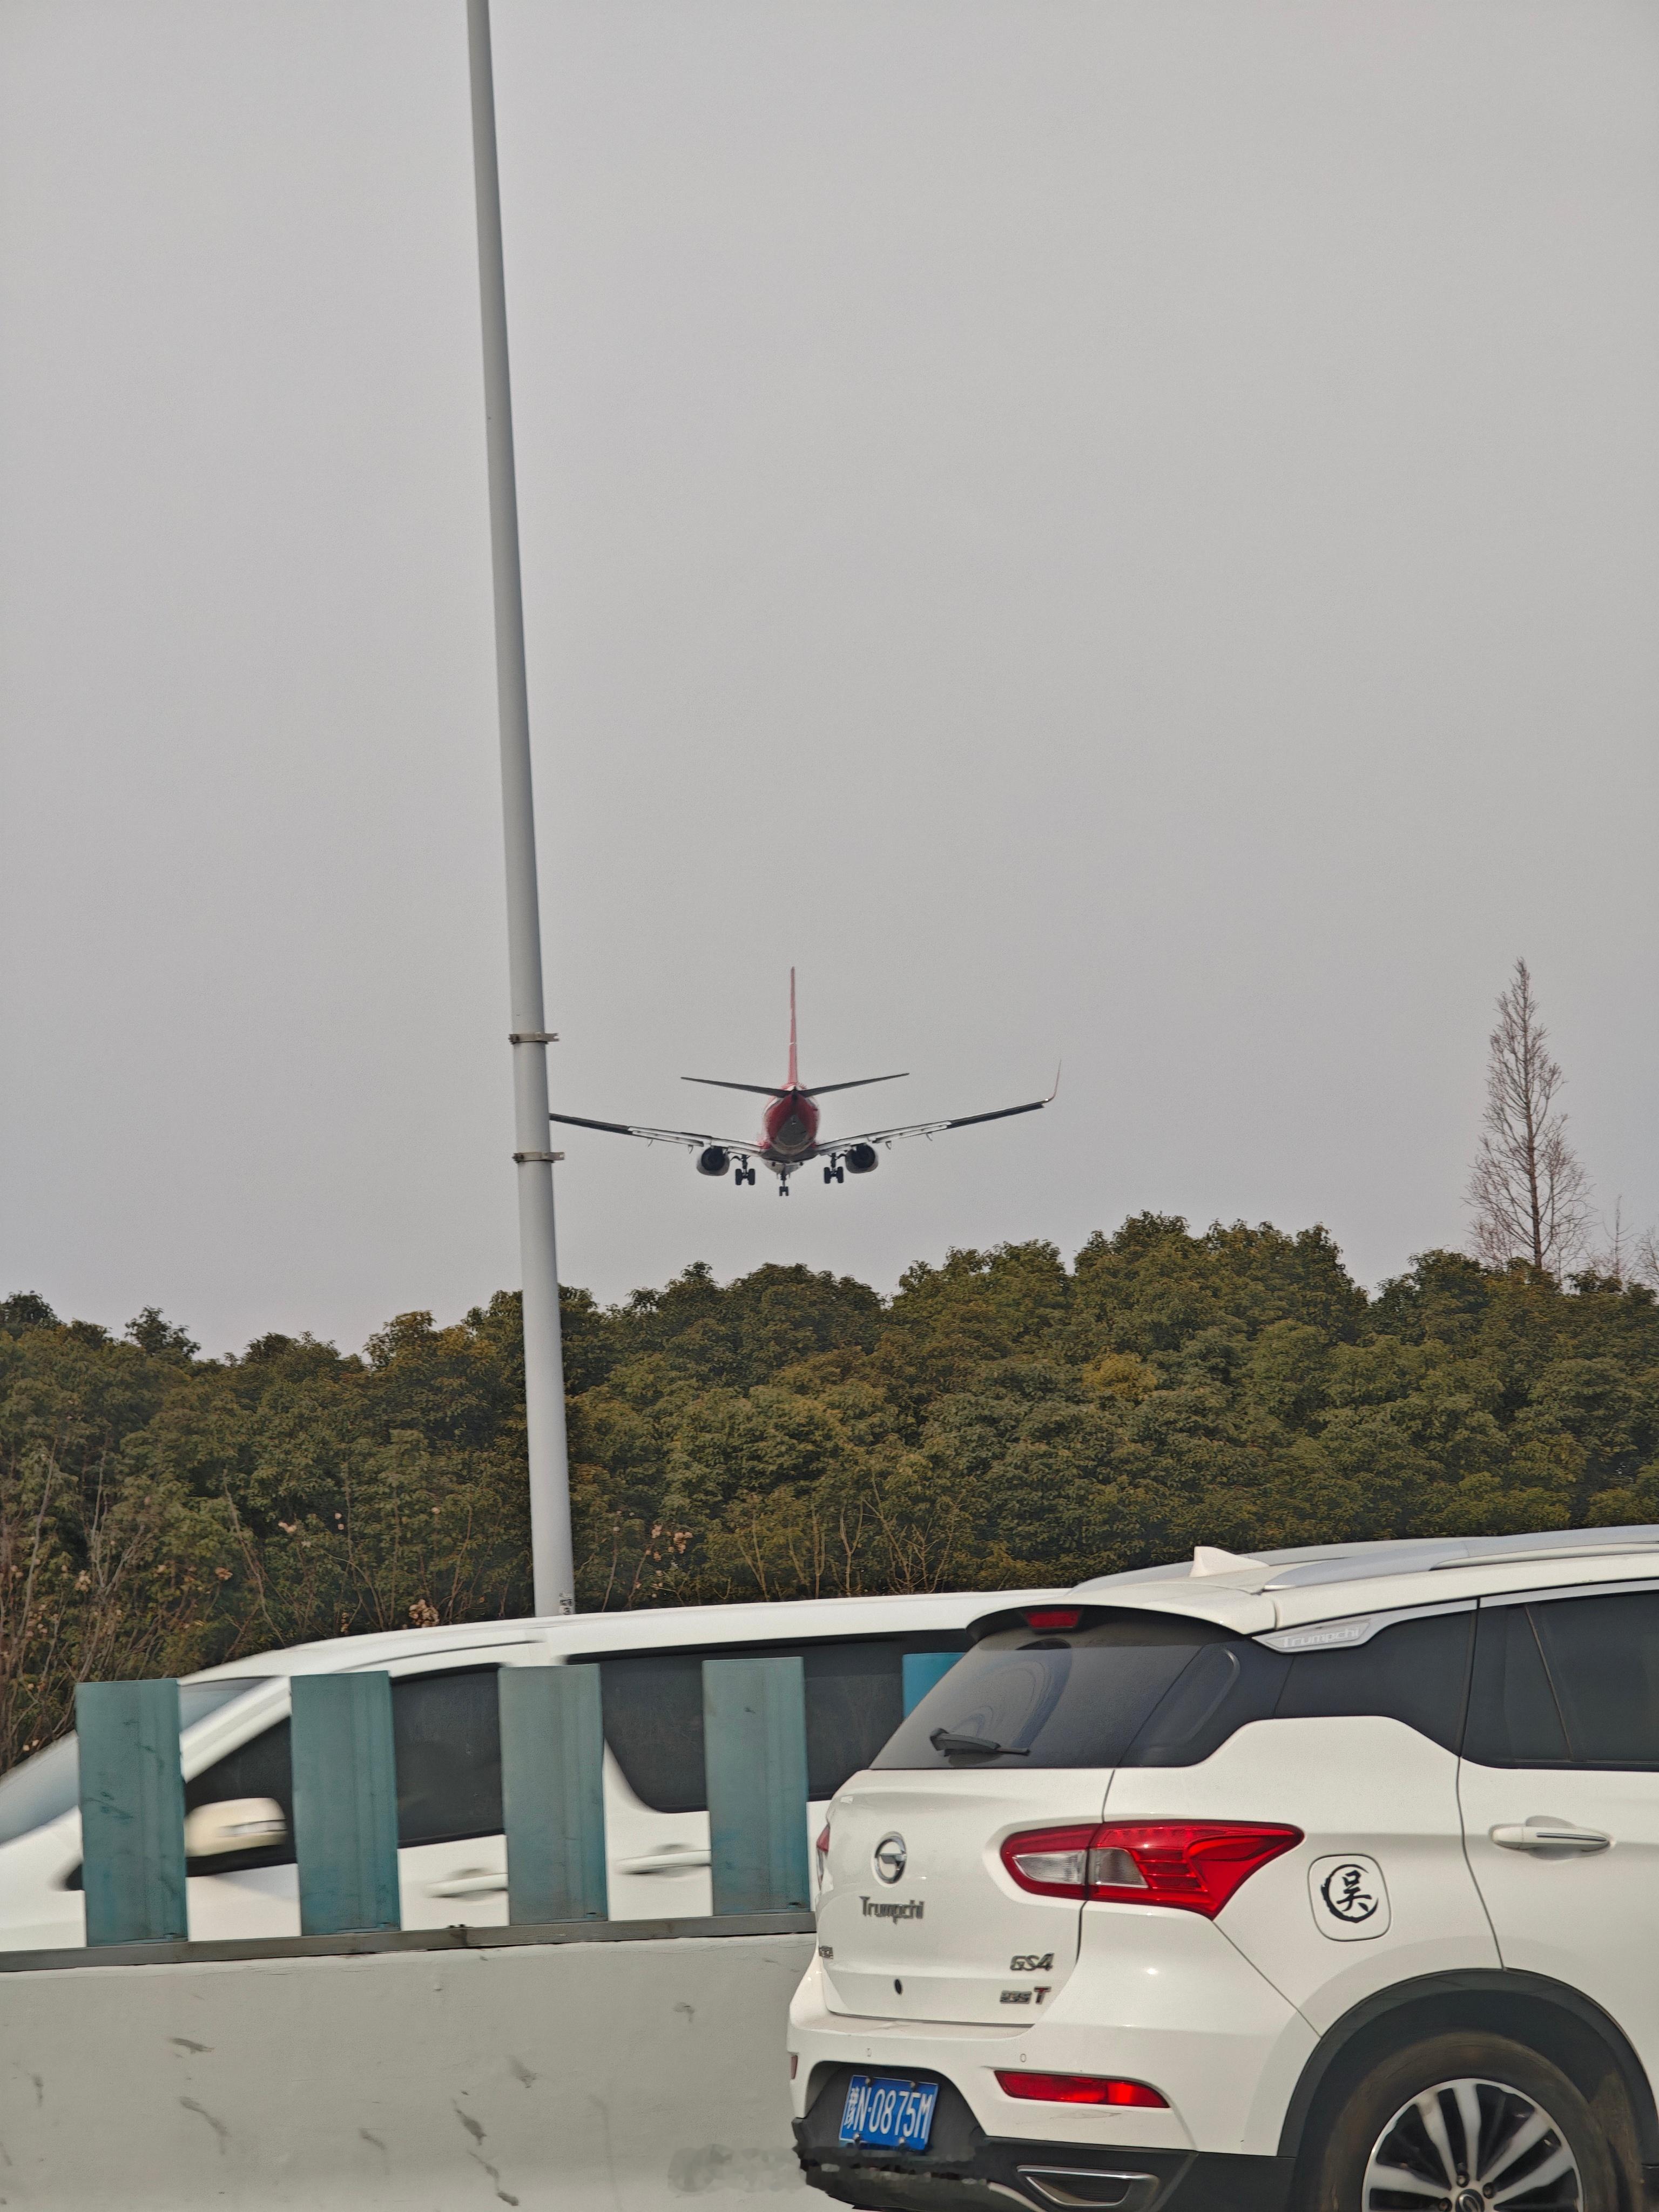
631	2076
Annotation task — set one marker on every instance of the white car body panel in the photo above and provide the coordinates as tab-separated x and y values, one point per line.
952	1960
1168	1970
1371	1786
1552	1914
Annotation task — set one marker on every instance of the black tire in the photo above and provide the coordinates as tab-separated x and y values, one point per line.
1414	2108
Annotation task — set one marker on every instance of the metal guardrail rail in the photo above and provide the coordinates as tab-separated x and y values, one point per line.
367	1944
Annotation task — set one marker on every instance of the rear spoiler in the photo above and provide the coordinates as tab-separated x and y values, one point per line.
1047	1617
1044	1616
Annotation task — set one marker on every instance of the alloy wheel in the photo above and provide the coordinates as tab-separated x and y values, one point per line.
1472	2146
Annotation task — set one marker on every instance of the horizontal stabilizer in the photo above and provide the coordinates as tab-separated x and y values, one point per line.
715	1082
823	1089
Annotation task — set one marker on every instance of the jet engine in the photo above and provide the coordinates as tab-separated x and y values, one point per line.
861	1159
714	1160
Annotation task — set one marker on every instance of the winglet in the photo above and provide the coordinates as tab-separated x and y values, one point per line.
794	1076
1054	1093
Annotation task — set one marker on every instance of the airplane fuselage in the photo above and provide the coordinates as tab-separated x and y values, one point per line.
789	1126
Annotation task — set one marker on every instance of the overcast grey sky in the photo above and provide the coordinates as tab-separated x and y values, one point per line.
1124	528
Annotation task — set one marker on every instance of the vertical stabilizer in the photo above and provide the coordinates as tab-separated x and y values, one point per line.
794	1076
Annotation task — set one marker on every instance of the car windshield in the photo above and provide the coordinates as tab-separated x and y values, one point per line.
1018	1700
48	1785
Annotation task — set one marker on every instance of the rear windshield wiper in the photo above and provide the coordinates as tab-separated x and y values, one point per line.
947	1740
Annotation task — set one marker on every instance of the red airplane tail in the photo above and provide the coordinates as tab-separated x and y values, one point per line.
793	1083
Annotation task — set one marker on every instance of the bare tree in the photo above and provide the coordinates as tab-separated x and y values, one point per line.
1615	1261
1529	1194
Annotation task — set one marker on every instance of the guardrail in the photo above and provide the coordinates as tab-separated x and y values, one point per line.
345	1798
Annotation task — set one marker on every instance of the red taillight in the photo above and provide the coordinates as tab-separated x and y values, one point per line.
1054	1616
1081	2089
821	1848
1194	1864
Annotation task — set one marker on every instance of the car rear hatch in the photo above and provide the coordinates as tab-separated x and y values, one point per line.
922	1915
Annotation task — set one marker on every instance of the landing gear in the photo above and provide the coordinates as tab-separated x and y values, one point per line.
835	1175
783	1186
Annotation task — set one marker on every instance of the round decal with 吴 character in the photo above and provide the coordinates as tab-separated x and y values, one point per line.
1349	1898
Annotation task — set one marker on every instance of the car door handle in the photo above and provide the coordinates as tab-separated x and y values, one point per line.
478	1883
672	1861
1540	1835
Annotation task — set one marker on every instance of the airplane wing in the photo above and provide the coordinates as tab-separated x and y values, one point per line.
931	1128
694	1138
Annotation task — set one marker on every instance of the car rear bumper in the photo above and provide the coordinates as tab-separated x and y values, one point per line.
964	2167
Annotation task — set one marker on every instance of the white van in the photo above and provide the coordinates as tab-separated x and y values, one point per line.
452	1862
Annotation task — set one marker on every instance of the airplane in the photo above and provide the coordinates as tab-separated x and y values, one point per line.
789	1126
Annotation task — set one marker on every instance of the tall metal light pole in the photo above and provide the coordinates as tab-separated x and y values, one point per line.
551	1557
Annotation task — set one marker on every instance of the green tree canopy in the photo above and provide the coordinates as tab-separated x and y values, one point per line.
1003	1418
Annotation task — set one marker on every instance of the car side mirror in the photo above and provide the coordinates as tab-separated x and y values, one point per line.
235	1824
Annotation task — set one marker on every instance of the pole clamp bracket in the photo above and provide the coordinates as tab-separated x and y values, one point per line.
530	1159
533	1037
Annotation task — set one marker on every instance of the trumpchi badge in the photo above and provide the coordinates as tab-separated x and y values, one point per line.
889	1859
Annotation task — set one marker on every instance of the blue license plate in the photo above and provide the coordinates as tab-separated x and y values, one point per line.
887	2114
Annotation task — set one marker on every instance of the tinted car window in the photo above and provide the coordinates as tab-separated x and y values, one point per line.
652	1705
1416	1672
1079	1699
854	1700
1157	1690
1602	1653
446	1738
1568	1681
447	1732
1514	1720
48	1785
259	1768
1222	1687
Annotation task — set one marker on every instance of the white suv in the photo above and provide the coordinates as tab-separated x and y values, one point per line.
1324	1879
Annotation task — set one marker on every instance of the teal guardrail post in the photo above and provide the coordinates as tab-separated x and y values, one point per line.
132	1811
553	1792
922	1670
754	1734
346	1803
